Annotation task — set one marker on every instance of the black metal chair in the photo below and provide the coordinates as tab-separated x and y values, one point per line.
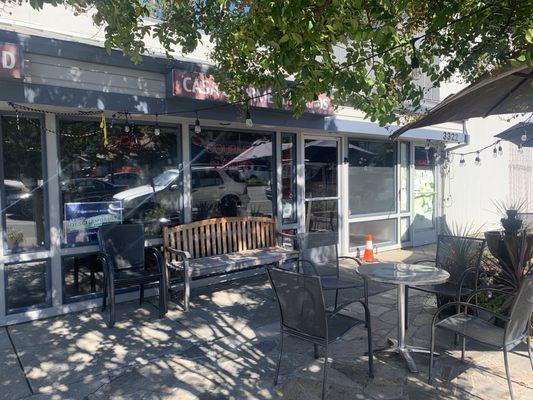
123	257
461	258
304	315
469	325
319	254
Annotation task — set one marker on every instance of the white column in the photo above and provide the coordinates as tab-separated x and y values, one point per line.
300	180
54	204
279	177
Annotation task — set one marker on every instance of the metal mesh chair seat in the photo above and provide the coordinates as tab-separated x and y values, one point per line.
445	289
474	327
333	283
134	275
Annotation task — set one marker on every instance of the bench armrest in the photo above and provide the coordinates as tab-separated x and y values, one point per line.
185	255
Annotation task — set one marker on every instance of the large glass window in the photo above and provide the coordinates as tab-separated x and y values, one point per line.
371	176
27	286
134	176
382	231
288	177
22	189
231	173
83	275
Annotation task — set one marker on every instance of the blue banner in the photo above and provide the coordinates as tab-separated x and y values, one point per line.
82	220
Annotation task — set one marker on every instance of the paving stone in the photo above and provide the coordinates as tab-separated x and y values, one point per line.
12	382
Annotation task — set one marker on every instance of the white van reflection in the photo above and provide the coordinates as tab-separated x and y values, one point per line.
209	186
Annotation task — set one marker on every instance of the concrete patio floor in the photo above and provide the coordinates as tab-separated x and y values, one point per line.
227	347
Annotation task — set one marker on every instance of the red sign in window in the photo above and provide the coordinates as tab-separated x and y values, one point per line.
11	63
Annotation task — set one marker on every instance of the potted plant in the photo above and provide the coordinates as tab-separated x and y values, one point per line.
153	221
512	251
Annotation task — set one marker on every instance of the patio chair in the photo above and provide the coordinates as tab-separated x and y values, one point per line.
122	254
471	326
460	257
304	316
319	254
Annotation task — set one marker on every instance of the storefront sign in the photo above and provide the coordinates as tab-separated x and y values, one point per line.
82	220
11	60
200	86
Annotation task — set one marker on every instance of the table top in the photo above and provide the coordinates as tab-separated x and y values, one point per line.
400	273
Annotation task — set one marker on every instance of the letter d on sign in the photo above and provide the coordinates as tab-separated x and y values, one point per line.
8	60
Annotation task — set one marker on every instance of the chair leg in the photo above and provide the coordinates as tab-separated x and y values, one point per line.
141	296
508	373
369	338
463	348
365	294
336	297
406	302
111	321
93	281
316	355
528	342
104	299
431	352
186	288
325	378
279	359
162	298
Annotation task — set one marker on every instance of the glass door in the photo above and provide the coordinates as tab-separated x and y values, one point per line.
424	196
321	160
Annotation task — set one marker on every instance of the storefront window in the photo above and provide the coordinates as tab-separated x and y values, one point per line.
134	177
23	190
288	177
382	231
27	286
371	177
231	173
83	275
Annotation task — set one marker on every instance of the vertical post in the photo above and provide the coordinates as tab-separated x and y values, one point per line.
2	207
53	171
278	180
401	315
300	181
186	162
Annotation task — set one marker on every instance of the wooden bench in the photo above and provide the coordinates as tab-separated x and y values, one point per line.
220	246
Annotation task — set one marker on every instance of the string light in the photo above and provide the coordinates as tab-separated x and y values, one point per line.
494	151
427	146
462	161
415	62
524	136
127	128
197	127
157	129
478	159
500	150
249	122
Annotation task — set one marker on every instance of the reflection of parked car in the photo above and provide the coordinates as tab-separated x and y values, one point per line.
209	186
88	190
129	179
18	198
257	173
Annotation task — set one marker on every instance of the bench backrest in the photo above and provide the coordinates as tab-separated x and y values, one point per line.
217	236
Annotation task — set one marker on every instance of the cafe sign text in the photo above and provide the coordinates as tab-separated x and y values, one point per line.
11	60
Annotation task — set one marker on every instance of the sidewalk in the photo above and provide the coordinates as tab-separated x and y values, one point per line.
227	347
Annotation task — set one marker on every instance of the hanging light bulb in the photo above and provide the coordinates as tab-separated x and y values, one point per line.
478	159
416	73
249	122
500	150
462	161
520	149
427	146
157	129
197	127
494	152
127	127
523	138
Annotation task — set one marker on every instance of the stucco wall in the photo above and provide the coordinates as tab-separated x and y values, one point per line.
471	191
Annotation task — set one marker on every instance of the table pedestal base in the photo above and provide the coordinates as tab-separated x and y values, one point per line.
405	353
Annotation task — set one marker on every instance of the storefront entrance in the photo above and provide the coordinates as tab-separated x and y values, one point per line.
425	194
321	160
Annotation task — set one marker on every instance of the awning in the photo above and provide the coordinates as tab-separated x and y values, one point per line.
515	133
508	90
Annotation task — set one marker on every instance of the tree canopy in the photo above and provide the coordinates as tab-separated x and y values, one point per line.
360	51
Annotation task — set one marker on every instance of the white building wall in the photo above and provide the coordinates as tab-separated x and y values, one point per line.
470	192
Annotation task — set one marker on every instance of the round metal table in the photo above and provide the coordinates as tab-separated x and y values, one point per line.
400	274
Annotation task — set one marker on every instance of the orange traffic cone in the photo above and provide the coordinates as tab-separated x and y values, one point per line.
369	249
